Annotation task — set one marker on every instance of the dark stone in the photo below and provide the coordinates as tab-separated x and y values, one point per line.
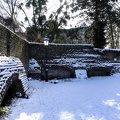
12	88
99	71
34	75
59	72
37	51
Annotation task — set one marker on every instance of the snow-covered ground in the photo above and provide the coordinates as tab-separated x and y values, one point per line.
95	98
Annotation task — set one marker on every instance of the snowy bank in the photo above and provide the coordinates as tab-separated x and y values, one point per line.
95	98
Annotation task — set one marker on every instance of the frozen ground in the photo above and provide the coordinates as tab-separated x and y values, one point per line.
96	98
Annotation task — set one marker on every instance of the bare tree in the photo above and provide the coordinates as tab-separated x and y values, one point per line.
9	9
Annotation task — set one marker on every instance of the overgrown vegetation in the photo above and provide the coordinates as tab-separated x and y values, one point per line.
102	14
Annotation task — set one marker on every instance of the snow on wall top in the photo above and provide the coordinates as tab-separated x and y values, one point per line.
34	67
8	66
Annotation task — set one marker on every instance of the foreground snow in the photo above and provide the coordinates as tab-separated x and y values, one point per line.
96	98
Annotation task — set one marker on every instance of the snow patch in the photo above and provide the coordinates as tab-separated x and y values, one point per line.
81	74
34	67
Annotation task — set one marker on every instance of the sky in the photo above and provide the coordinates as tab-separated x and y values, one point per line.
52	5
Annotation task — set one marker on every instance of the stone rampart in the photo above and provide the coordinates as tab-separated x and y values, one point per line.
13	45
38	51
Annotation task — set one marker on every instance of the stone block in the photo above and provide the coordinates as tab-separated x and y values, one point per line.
99	71
58	72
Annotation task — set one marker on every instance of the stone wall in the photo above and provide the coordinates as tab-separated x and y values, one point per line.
3	41
38	51
111	54
58	72
13	45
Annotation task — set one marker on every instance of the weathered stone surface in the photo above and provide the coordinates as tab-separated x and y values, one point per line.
12	75
35	75
37	51
58	72
13	45
99	71
113	55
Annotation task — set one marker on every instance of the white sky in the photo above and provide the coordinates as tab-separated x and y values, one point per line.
52	5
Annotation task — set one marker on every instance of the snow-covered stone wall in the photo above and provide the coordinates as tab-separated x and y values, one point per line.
38	51
8	67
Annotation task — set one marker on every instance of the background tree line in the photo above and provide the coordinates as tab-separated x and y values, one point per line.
103	16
